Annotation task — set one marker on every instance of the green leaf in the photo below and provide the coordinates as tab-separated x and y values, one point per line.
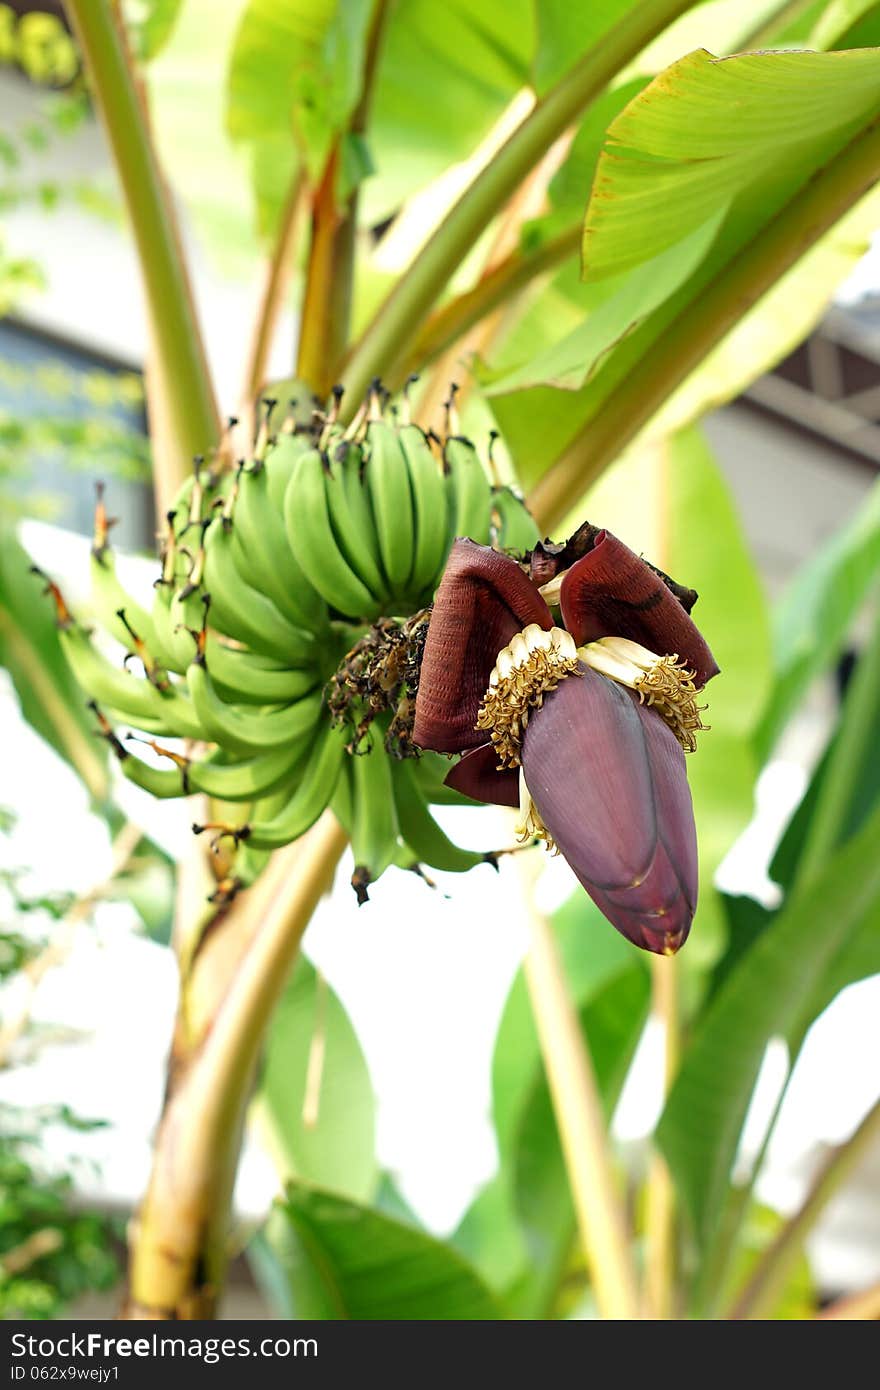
813	617
150	25
848	24
674	162
337	1150
477	53
295	69
773	992
342	1260
777	324
51	701
565	31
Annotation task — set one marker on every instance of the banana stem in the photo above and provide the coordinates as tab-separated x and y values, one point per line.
326	310
660	1213
579	1117
704	322
507	278
272	294
397	321
763	1290
179	1240
185	409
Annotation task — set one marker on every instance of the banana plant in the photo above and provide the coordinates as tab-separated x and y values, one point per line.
355	584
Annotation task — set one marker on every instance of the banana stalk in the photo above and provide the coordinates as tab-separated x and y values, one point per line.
232	983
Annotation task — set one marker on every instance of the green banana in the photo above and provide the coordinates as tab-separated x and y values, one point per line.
388	484
516	528
259	541
430	772
342	800
107	597
314	545
161	782
166	711
469	492
216	775
243	612
429	505
244	729
311	792
351	517
248	678
418	828
374	826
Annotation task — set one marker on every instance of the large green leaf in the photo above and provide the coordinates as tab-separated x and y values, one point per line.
443	81
675	163
296	68
773	992
336	1148
813	617
51	701
341	1260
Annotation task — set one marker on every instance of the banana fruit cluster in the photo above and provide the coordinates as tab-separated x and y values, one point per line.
271	572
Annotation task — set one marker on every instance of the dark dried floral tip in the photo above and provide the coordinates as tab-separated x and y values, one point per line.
484	599
611	592
608	780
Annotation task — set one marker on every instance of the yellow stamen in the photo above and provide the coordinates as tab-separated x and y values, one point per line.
529	825
663	682
533	663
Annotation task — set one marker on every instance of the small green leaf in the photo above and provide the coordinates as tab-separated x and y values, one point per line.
341	1260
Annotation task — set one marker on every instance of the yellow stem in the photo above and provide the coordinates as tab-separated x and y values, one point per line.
179	1241
272	294
579	1117
660	1224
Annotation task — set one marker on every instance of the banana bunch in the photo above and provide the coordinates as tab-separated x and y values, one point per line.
273	572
